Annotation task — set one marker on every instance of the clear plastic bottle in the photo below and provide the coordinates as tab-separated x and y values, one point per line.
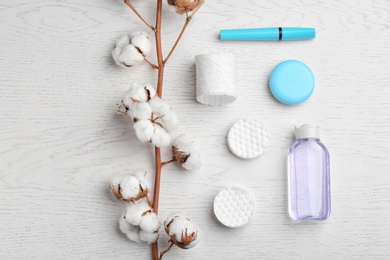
308	176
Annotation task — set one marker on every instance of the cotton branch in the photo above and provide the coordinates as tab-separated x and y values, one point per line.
166	250
139	15
188	19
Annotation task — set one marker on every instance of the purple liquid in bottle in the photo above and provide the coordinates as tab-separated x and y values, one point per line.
308	176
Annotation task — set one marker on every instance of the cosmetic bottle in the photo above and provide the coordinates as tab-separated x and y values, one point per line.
308	176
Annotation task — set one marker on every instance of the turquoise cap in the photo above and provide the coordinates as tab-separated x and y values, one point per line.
292	82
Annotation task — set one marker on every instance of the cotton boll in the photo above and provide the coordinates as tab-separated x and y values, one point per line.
168	221
160	137
159	106
182	231
139	92
142	42
136	93
129	187
123	41
131	231
143	179
148	237
116	180
150	222
144	130
151	90
183	144
178	226
114	185
115	55
124	226
193	162
130	56
134	235
170	121
192	233
135	210
140	111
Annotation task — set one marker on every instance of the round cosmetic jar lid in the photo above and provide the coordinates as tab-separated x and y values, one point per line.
292	82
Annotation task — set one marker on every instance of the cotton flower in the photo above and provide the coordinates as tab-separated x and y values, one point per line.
144	129
146	231
136	210
138	92
143	179
163	114
127	56
182	231
153	132
183	6
140	111
193	161
185	153
149	222
131	49
153	118
129	187
131	231
148	237
141	41
160	138
159	106
170	121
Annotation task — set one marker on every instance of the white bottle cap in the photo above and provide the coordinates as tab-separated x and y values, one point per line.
307	131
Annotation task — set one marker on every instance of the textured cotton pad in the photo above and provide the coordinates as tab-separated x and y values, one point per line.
234	206
247	138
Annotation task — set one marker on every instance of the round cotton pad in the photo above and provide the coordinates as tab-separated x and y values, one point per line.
291	82
247	138
234	206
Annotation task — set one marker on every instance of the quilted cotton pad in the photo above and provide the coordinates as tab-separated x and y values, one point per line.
247	138
234	206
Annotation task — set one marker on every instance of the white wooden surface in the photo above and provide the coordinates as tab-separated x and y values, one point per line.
61	140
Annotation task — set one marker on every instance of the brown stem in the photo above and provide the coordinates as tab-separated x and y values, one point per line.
160	59
188	19
156	195
160	63
166	250
172	160
149	201
154	66
138	14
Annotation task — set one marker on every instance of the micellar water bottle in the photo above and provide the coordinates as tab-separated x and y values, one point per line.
308	176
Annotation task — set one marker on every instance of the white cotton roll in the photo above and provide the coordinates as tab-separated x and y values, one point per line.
216	79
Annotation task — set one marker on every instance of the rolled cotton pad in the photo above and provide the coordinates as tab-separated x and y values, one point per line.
247	138
291	82
234	206
216	83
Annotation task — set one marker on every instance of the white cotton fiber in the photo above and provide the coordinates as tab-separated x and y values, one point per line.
140	111
149	222
129	187
160	137
144	130
135	210
193	162
170	121
147	236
